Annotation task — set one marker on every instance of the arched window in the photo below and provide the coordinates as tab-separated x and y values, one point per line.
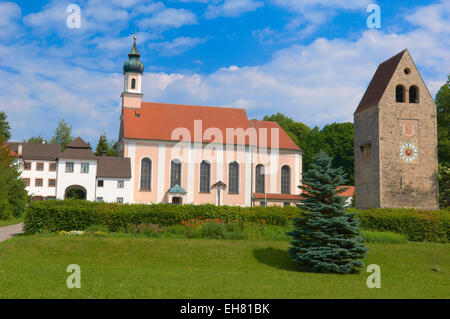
285	180
146	174
399	94
233	178
133	83
205	177
175	173
260	180
413	94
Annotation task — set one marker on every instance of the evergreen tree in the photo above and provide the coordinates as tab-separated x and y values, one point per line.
326	238
5	129
105	147
102	146
62	135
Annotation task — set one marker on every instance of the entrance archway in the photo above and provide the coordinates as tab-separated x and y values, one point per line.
177	200
75	192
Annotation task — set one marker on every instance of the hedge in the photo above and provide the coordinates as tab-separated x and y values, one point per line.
417	225
56	215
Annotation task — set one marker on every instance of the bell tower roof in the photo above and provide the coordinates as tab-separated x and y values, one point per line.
133	64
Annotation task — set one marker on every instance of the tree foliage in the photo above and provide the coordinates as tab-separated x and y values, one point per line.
105	147
326	238
335	139
13	196
442	101
35	140
444	185
5	129
62	134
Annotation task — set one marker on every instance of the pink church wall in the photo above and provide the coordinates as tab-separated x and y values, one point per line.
151	150
141	151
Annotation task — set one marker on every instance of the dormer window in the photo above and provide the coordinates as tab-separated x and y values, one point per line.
413	94
399	94
133	84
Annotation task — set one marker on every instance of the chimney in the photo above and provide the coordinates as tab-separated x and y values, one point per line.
19	150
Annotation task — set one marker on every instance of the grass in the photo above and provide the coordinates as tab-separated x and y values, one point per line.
11	221
383	237
129	266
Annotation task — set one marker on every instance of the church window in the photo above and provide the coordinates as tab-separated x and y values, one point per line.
399	94
260	186
175	173
285	180
205	177
233	178
413	94
146	174
133	84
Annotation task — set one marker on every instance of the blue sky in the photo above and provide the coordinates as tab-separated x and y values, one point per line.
310	60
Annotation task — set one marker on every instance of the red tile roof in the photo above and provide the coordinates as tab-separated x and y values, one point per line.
277	196
348	192
157	121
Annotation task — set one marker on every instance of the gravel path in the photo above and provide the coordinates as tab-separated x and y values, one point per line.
6	232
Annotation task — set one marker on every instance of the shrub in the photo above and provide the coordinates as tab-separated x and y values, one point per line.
96	228
150	230
416	225
213	229
71	214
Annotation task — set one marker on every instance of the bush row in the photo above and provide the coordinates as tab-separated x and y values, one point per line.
417	225
56	215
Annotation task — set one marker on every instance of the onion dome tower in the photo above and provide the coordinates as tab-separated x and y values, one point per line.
133	70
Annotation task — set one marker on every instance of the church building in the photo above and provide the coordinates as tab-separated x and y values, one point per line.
202	154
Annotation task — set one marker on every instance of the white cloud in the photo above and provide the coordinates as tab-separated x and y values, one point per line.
308	17
169	18
435	18
316	84
232	8
10	13
177	46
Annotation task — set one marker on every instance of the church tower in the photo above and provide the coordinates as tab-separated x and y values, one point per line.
132	86
131	96
396	139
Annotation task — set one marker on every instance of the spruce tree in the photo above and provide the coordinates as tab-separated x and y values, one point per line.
102	146
327	239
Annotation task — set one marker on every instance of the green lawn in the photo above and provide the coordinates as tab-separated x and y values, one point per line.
139	267
11	221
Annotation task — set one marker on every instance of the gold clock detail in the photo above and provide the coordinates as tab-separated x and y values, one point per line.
409	152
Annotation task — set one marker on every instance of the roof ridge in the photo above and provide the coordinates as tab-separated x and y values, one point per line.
193	105
379	82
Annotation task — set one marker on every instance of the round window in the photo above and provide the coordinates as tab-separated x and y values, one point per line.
407	71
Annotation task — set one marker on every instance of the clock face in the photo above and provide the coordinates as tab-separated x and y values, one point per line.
409	152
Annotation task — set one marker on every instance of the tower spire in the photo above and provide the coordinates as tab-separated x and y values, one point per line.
133	69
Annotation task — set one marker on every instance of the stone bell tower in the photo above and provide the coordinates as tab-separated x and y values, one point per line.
396	139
